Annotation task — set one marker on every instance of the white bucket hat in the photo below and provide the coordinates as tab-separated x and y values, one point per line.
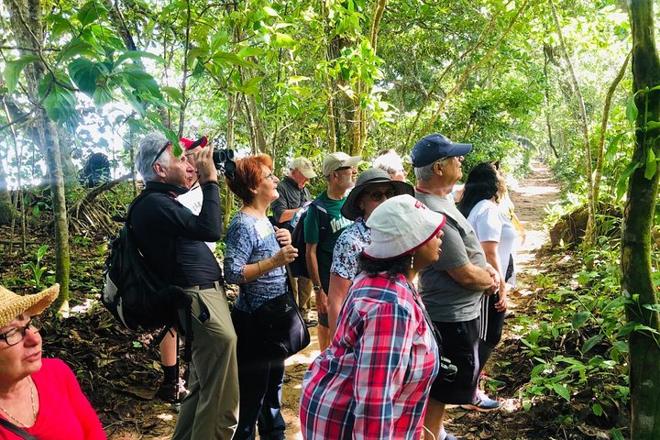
401	225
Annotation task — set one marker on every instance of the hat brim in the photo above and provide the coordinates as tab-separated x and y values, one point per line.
12	305
352	211
459	150
309	174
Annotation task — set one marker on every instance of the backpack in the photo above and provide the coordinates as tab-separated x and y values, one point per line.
131	292
298	267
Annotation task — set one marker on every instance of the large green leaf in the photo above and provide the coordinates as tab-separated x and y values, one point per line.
173	93
102	96
90	12
14	68
651	164
232	59
631	109
136	55
85	73
140	80
76	47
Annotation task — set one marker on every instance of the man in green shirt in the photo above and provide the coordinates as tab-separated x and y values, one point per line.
323	226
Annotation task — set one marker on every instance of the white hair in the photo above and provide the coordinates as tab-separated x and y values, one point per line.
150	146
426	172
389	161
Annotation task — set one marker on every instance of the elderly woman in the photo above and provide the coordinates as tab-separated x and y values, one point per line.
481	204
374	379
38	397
255	261
373	186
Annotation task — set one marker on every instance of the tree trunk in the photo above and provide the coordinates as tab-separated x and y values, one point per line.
546	90
636	281
26	19
598	172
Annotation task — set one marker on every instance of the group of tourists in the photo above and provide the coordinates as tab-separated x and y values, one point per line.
409	289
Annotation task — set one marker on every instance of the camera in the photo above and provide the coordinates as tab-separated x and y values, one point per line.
223	158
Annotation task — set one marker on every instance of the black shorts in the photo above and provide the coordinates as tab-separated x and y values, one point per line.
460	344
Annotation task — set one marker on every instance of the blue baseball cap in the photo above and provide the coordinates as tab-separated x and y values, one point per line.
434	147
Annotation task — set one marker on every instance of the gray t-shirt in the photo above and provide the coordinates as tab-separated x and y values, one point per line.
444	298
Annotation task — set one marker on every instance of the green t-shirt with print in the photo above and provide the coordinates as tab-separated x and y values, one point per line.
326	240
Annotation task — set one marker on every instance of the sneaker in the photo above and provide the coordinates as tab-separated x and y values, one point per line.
483	403
310	322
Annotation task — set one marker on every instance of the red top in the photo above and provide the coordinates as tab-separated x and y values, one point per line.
64	411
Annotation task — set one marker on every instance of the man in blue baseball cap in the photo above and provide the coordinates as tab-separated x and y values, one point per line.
452	288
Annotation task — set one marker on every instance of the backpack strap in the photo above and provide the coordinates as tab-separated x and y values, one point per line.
16	430
324	219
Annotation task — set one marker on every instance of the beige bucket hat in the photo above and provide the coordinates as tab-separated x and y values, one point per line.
12	305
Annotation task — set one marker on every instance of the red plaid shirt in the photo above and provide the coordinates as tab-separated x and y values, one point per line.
374	379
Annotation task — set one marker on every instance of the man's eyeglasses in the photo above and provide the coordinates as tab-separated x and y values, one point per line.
377	196
16	335
343	168
160	152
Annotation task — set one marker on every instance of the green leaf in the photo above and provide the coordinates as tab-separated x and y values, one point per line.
652	125
591	343
622	183
60	105
140	80
232	59
173	93
562	391
90	12
136	55
597	409
651	164
14	68
631	109
283	40
652	307
270	11
102	96
76	47
85	73
251	87
59	25
579	319
615	434
612	147
250	51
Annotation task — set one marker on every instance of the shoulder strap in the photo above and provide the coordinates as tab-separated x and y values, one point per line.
16	430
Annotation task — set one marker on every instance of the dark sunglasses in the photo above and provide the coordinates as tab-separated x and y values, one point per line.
377	196
160	152
343	168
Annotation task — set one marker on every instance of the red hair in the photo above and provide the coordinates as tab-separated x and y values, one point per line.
248	176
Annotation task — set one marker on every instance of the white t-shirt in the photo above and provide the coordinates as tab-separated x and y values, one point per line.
491	223
193	200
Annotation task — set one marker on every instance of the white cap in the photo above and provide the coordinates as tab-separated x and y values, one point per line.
334	161
303	165
401	225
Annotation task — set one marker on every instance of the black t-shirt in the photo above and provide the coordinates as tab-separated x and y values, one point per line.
291	197
172	239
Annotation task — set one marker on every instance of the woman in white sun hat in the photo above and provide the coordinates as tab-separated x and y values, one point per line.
39	398
373	380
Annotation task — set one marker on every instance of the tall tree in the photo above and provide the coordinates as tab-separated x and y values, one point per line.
643	308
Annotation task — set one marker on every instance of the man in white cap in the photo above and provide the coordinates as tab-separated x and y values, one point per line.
452	288
293	196
324	224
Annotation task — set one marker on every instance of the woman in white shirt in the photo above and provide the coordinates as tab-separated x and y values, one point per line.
485	190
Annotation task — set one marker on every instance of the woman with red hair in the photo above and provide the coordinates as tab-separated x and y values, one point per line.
255	257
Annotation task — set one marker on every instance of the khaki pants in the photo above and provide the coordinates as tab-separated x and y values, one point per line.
210	411
302	294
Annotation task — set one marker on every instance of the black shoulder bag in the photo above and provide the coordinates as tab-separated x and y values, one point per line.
282	326
16	430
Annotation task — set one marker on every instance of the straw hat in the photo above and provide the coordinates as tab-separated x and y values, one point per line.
12	305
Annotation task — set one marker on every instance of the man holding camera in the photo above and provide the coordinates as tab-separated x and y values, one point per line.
451	288
172	240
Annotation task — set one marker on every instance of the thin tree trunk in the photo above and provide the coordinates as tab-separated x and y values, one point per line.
184	74
598	172
590	230
20	197
28	31
546	91
232	104
636	281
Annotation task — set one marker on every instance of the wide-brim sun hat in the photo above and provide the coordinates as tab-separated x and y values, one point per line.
368	178
12	305
399	226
